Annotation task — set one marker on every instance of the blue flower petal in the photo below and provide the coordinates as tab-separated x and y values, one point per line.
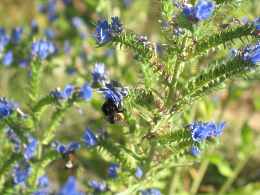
89	138
85	92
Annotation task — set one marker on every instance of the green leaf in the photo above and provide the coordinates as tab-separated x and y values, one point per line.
222	165
246	135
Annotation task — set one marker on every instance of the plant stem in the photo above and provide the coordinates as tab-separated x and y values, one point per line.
196	183
231	179
175	181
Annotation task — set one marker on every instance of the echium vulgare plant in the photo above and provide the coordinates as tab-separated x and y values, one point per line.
136	134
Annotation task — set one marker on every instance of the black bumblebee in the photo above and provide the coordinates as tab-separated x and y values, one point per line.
113	112
113	106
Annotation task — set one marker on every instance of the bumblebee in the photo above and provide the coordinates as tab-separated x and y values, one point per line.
113	106
70	159
113	112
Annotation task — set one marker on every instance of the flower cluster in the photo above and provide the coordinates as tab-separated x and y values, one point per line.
66	149
203	130
30	148
21	172
8	58
6	41
49	8
12	46
80	26
151	191
43	186
84	93
6	108
99	74
105	31
63	94
14	139
201	11
89	139
114	93
42	49
112	170
97	186
257	26
252	53
16	35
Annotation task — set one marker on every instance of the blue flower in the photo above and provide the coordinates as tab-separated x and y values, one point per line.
13	138
77	22
21	172
68	90
70	70
67	2
257	24
8	58
42	192
127	3
201	131
4	39
16	35
151	191
30	148
103	32
114	94
252	53
201	11
99	73
112	170
42	184
23	63
85	92
66	149
34	27
65	94
216	129
70	187
80	25
195	151
204	9
67	47
42	49
43	181
188	11
139	173
6	108
97	186
49	33
116	25
89	138
51	9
